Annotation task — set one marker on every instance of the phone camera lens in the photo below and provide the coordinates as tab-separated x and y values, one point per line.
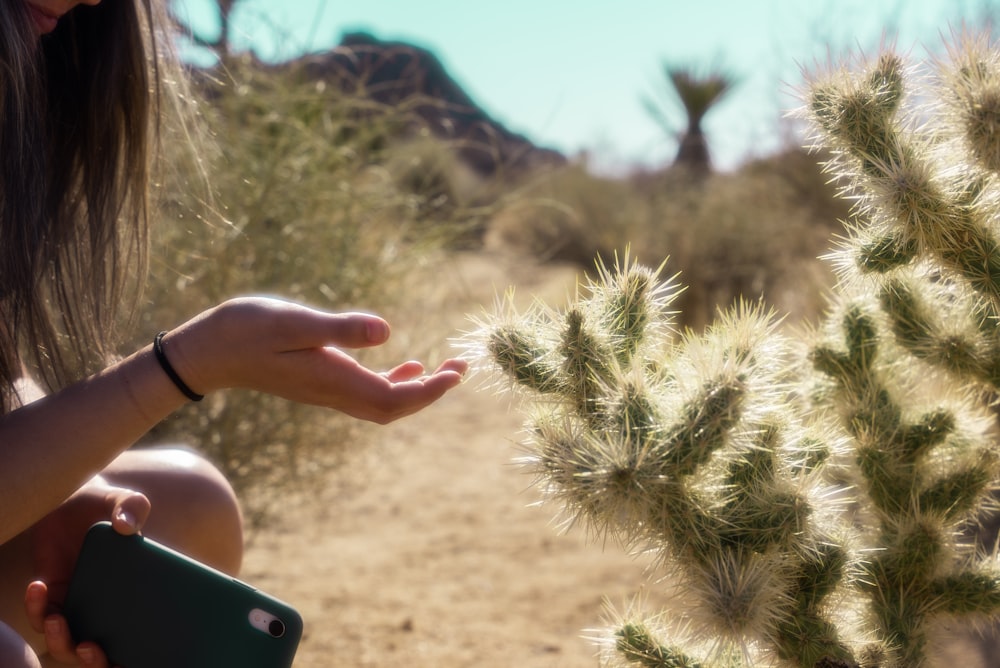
276	628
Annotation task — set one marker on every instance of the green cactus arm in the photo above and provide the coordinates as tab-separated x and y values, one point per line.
958	494
968	593
899	607
585	364
889	484
636	645
923	333
627	312
764	520
821	570
760	510
932	430
860	117
975	254
522	358
971	81
811	641
755	468
851	369
633	303
885	253
807	636
634	413
809	455
704	424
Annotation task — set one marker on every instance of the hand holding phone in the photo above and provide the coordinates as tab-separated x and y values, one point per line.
149	606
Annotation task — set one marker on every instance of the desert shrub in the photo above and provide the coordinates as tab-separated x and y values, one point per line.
755	231
742	235
451	200
725	453
288	195
554	215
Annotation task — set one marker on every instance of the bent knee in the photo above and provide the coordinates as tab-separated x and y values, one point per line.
15	651
194	508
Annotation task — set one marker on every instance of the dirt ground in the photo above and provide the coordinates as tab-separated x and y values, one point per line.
436	555
427	549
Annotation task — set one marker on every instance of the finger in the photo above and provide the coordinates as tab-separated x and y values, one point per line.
58	639
411	370
90	654
405	371
308	328
355	330
36	605
441	381
461	367
130	511
408	397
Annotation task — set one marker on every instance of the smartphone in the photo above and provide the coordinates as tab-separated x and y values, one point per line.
149	606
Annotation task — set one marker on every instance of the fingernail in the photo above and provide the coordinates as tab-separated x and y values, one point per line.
128	519
52	626
86	654
378	331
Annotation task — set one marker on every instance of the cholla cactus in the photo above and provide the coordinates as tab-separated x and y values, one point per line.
804	497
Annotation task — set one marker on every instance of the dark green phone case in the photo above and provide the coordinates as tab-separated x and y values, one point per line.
149	606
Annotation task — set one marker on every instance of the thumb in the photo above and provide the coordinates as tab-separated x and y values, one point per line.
350	330
130	511
301	327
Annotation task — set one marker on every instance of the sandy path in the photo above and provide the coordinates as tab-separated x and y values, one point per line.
437	558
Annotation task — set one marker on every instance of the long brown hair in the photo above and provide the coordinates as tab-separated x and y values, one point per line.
78	119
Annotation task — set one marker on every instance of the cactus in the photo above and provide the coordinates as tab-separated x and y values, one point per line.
804	493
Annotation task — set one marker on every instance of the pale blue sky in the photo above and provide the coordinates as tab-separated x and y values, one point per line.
570	73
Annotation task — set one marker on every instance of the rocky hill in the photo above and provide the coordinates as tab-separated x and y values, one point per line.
396	72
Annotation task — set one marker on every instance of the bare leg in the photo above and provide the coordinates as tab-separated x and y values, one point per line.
15	652
194	509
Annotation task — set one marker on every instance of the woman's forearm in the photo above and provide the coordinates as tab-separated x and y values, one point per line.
51	446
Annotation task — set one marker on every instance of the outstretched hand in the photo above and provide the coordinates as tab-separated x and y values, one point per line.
298	353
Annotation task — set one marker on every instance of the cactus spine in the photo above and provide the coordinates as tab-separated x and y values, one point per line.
726	452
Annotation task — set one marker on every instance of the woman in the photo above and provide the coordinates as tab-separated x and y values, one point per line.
80	89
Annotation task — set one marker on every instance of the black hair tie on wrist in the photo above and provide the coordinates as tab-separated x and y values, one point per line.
169	370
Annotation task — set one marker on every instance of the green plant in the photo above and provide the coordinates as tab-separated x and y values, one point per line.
805	495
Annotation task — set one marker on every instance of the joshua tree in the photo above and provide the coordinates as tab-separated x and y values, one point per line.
697	94
804	494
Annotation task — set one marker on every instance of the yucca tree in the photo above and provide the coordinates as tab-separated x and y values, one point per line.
697	93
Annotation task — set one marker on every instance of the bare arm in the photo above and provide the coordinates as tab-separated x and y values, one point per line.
55	444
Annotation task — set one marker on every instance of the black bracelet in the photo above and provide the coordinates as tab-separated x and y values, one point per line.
169	370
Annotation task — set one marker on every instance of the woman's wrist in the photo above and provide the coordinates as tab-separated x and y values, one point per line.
198	349
159	351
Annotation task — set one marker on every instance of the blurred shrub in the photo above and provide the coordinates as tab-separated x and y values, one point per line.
565	215
756	231
300	204
449	197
